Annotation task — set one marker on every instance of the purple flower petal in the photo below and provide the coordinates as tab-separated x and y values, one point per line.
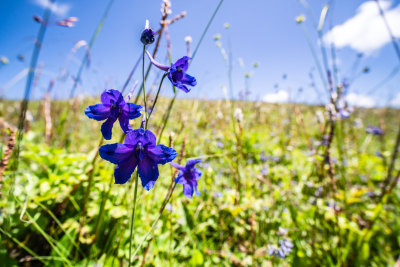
180	86
188	190
112	97
132	111
148	173
191	163
179	178
98	112
124	122
124	171
146	137
106	128
177	166
161	154
155	63
189	80
182	63
115	153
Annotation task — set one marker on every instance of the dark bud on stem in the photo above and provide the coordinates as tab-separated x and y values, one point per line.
147	36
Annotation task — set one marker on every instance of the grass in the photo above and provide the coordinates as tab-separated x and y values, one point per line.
284	183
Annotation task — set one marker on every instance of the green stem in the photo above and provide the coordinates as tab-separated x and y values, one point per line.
166	116
155	222
165	121
89	47
155	100
144	81
133	217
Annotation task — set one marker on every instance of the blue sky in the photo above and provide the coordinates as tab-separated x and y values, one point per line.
260	31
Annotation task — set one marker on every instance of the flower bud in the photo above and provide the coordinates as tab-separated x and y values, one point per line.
148	34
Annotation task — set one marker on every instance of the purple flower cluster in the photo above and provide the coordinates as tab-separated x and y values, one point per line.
374	130
285	245
140	148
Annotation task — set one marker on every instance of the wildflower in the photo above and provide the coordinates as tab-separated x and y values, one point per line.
300	19
148	34
68	22
285	245
238	114
140	150
177	72
38	19
188	39
113	107
188	176
282	231
265	170
374	130
4	60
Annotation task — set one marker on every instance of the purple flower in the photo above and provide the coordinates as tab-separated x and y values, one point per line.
113	107
374	130
140	150
188	176
177	72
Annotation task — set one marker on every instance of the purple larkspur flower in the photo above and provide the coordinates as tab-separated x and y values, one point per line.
113	107
188	176
140	150
374	130
177	72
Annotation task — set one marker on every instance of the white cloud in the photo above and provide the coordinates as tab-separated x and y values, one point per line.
279	97
359	100
366	31
58	9
396	101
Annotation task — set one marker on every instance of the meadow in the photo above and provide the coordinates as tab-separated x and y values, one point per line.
274	181
228	182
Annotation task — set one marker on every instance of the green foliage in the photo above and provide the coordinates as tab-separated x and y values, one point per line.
245	198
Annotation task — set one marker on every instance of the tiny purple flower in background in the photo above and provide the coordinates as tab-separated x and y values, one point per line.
38	19
148	34
374	130
177	72
188	176
140	150
68	22
113	107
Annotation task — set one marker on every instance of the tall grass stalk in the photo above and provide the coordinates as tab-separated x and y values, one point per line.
395	152
89	47
26	99
171	103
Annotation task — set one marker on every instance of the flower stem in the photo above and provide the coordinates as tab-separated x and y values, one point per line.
90	45
143	84
155	100
155	222
166	115
133	218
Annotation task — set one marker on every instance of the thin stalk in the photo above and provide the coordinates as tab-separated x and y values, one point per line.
89	47
155	222
206	29
131	74
166	116
133	218
397	144
155	100
29	83
171	104
144	81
